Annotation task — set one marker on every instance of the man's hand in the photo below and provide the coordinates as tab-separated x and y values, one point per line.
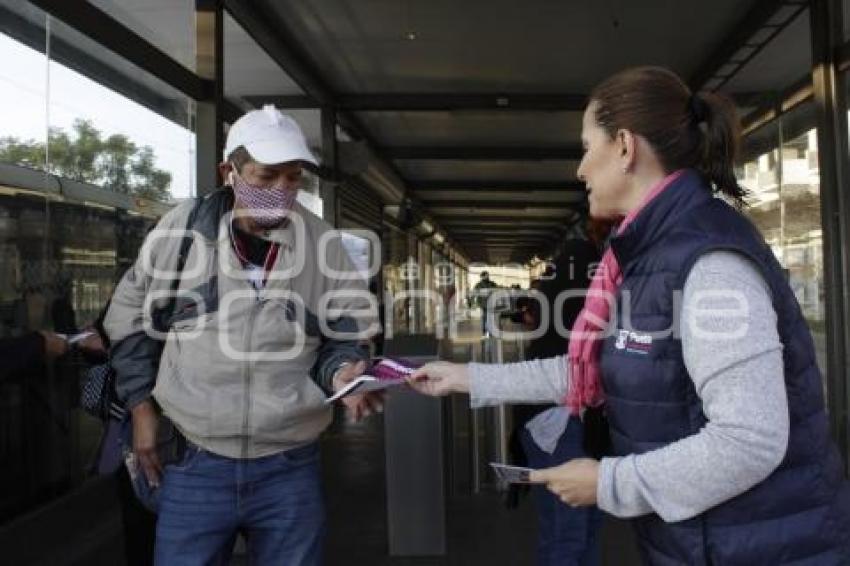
358	406
54	345
92	344
145	423
574	482
439	379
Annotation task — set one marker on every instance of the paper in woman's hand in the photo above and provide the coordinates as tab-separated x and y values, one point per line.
382	375
511	474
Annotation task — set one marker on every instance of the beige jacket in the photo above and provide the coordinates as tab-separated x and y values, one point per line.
243	372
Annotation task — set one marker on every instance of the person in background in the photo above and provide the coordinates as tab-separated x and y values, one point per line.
546	435
695	344
138	523
481	293
26	353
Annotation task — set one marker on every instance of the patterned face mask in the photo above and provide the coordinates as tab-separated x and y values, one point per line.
266	206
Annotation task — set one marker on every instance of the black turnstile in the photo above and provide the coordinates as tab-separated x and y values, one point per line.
414	448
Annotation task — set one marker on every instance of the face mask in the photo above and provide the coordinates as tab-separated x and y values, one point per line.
266	206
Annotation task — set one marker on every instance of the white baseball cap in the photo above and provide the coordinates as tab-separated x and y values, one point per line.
270	136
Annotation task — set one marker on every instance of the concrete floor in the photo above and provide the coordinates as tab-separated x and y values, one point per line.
480	529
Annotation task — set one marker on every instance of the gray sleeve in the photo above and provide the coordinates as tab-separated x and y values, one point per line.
134	355
735	362
534	381
350	319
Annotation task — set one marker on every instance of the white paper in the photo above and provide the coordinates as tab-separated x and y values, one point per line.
511	474
78	337
364	384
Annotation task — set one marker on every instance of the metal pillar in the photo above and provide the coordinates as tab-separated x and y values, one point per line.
209	123
830	100
330	178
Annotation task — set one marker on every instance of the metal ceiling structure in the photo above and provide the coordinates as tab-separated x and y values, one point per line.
502	143
474	124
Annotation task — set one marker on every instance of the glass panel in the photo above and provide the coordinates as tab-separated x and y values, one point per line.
23	78
248	69
801	235
784	204
167	24
395	278
425	284
104	138
120	153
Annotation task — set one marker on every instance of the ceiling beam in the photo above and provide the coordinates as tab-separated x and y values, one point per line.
507	244
541	223
789	98
572	152
99	26
507	204
451	102
439	102
436	198
263	28
738	39
71	56
288	102
503	238
398	102
517	228
496	186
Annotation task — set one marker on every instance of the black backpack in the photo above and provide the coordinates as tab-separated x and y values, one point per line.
97	394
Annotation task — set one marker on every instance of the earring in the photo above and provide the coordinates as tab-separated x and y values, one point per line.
625	169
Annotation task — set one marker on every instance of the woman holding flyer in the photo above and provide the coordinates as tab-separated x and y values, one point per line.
694	343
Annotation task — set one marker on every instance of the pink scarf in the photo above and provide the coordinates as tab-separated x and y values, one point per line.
586	337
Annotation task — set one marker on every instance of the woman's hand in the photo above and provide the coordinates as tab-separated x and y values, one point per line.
574	482
439	379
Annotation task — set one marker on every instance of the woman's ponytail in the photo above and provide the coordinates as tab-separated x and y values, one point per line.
715	116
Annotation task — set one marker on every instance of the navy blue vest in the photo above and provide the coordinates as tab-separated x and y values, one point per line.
802	510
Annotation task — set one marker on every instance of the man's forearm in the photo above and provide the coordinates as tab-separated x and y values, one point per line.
135	360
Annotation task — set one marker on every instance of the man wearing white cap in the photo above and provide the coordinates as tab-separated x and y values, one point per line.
268	319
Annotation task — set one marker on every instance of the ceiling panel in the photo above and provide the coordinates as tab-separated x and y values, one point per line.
248	69
499	45
781	63
434	197
488	170
499	127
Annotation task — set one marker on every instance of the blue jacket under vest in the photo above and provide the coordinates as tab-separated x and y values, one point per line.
800	514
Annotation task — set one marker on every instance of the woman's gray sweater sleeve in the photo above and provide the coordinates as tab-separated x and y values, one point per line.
535	381
735	362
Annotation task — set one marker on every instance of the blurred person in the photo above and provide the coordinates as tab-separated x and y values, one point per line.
546	435
29	352
694	343
138	523
249	416
481	293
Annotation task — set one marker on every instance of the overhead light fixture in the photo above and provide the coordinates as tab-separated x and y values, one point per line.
411	35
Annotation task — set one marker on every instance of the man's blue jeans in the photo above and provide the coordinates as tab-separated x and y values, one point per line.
567	535
275	502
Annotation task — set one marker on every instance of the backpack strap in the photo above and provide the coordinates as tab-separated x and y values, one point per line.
167	312
186	243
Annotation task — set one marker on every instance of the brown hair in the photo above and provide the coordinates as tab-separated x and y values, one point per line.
697	130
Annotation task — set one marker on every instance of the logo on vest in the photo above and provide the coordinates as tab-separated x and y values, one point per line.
633	342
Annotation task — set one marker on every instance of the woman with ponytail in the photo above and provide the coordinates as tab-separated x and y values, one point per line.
692	342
